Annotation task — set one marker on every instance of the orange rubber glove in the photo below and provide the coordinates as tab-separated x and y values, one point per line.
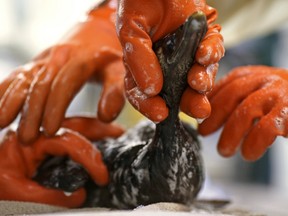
252	104
139	24
43	89
18	162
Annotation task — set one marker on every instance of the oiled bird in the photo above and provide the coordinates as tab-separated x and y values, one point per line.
151	162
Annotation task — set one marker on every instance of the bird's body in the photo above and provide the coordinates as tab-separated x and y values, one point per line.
142	172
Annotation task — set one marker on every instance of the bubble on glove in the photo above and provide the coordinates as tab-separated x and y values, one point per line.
210	70
149	90
159	117
202	84
280	120
279	123
284	112
129	47
210	55
206	57
68	194
136	95
113	4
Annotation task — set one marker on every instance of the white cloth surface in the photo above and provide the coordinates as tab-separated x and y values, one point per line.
161	209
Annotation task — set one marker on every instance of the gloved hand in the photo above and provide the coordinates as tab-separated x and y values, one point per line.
18	162
139	24
43	89
252	104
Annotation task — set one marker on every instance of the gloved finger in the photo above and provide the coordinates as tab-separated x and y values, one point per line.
241	120
11	105
76	72
211	14
149	79
264	132
112	98
11	158
34	105
30	121
4	85
195	105
13	99
227	99
92	128
236	73
153	108
78	148
201	78
19	188
28	70
147	72
211	49
65	86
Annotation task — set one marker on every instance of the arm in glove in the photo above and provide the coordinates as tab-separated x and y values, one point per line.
139	24
18	163
252	104
43	89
